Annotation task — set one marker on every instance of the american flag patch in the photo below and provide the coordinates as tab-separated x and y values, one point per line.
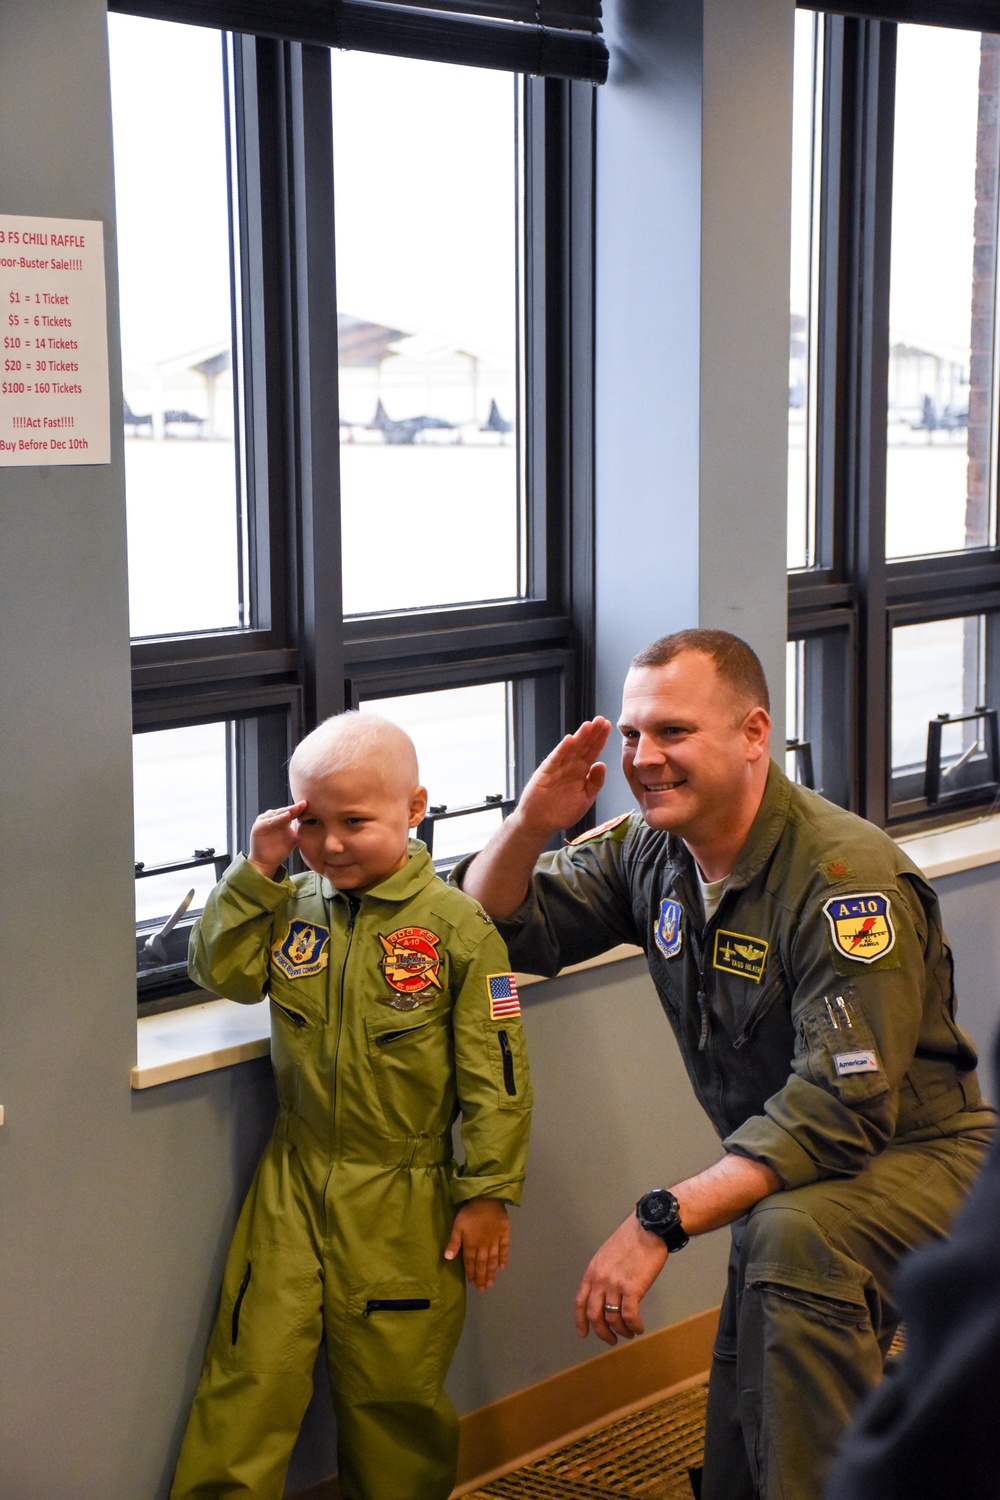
503	996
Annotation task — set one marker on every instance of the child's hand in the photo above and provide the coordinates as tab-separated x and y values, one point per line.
482	1233
272	838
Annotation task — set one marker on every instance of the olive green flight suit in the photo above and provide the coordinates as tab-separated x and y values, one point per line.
815	1016
381	1035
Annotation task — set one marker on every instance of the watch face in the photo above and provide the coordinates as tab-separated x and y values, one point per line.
659	1206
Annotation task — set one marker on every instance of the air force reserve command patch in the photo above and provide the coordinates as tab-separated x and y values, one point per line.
861	925
303	950
667	929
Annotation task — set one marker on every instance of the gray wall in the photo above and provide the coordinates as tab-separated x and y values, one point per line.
115	1209
970	903
694	207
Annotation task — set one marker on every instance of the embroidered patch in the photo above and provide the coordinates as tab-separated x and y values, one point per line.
736	953
503	995
837	869
593	833
855	1062
667	929
410	963
861	925
303	950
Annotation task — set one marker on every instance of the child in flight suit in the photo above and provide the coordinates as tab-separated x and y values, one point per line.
392	1012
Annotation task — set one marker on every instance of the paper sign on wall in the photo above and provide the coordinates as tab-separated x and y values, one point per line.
54	399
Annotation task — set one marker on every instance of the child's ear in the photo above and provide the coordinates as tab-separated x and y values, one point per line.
418	806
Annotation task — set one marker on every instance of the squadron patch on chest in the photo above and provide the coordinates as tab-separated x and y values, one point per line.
861	925
736	953
303	950
410	963
667	931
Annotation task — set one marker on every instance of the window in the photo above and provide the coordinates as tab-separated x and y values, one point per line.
893	455
357	352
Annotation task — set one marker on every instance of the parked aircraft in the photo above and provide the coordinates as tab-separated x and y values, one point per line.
406	429
495	422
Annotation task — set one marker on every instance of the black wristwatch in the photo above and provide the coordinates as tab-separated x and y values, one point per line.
659	1212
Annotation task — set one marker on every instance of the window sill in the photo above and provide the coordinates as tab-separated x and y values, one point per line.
947	851
218	1033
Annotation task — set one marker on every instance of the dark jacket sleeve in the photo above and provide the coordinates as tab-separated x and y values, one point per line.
931	1429
578	905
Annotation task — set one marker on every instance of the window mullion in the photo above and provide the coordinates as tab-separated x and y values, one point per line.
315	398
870	96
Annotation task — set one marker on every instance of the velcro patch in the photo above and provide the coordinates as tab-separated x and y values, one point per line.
667	930
736	953
593	833
861	925
503	996
847	1063
303	950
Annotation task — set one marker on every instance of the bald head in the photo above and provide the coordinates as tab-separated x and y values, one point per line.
361	743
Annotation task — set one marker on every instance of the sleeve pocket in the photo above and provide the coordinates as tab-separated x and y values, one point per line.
840	1051
504	1045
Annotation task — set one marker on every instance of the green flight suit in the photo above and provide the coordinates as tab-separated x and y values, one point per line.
815	1016
385	1026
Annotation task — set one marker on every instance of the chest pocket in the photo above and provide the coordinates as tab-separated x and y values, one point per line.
839	1049
413	1067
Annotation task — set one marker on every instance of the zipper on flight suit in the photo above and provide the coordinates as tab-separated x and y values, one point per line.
507	1058
239	1301
396	1304
385	1038
759	1010
292	1015
353	908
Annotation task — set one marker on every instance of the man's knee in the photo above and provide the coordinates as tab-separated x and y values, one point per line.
780	1239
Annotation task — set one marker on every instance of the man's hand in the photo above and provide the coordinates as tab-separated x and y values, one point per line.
272	838
557	796
567	782
482	1233
618	1277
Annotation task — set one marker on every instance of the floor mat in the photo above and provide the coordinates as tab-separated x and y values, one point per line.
645	1456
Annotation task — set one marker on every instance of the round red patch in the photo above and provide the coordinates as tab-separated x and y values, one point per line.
410	960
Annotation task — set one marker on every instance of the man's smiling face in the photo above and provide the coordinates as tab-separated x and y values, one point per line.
686	751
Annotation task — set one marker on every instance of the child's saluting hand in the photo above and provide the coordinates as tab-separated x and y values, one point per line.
272	838
482	1233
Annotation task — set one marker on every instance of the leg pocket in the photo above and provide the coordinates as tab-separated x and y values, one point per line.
398	1342
270	1317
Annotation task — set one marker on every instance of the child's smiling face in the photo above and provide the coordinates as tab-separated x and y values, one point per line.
356	826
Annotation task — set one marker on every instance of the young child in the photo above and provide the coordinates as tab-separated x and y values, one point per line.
392	1012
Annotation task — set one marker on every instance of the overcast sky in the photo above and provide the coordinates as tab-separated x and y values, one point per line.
425	193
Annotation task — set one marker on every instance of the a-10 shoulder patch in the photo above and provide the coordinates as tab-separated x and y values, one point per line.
861	925
594	833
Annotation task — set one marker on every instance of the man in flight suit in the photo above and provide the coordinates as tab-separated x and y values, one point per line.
800	960
392	1012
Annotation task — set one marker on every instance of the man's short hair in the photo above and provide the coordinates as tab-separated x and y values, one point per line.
736	663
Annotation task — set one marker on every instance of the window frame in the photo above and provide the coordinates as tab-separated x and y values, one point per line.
300	652
854	590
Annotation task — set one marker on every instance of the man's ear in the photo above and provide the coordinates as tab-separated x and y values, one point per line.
757	728
418	806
